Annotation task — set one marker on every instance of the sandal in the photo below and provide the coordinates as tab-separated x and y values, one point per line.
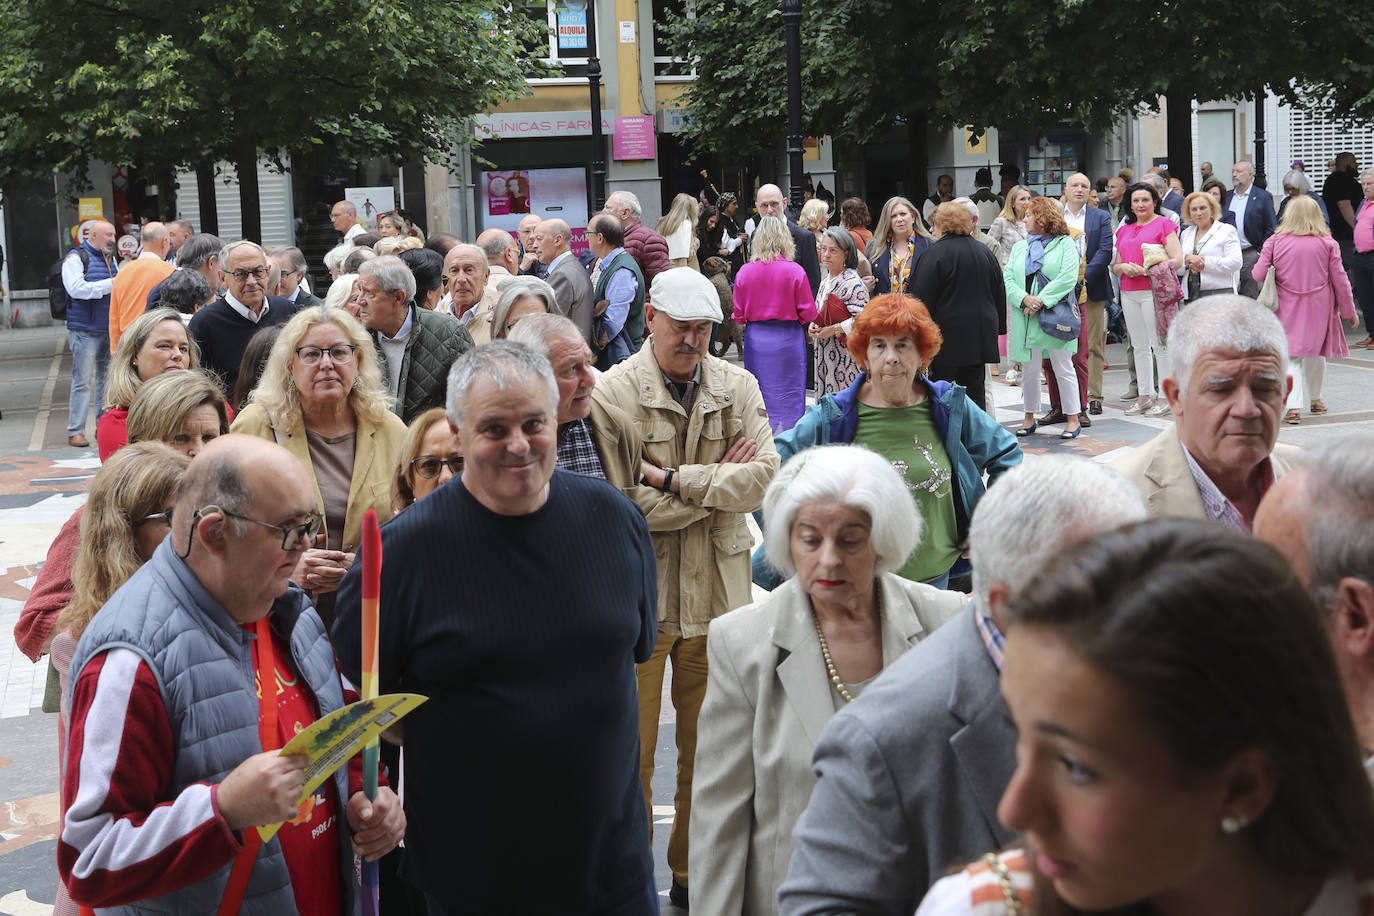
1292	418
1318	407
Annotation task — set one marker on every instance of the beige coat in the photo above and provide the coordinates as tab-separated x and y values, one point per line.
1160	470
701	539
375	455
768	699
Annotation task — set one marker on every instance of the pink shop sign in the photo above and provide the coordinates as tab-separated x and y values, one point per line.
634	138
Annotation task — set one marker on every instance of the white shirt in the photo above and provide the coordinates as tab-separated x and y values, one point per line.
1239	199
1076	220
78	287
244	310
394	349
680	242
1220	250
353	232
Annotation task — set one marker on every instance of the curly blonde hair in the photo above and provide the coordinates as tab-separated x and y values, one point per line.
771	240
278	394
137	481
814	213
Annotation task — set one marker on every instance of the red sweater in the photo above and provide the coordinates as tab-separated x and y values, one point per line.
52	591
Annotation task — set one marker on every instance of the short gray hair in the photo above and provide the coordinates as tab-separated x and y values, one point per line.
841	237
1369	172
198	250
504	363
1340	538
629	200
357	258
536	331
1297	178
1158	181
1039	507
291	251
185	290
496	245
970	206
514	289
1225	322
241	243
391	273
851	475
334	257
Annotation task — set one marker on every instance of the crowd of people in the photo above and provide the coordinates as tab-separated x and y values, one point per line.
951	679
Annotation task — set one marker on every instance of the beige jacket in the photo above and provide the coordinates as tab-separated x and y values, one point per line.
375	456
768	698
1160	470
701	539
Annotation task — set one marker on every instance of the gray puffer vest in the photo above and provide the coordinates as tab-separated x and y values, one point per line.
203	663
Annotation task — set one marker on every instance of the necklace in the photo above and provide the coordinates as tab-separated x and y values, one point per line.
840	687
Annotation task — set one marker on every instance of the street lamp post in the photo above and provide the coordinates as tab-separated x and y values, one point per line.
791	23
598	140
1260	180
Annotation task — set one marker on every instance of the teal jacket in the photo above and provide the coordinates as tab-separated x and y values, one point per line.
974	441
1061	266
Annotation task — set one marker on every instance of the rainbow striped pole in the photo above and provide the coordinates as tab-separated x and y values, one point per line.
372	587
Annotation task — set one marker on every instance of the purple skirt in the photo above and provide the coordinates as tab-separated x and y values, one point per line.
775	352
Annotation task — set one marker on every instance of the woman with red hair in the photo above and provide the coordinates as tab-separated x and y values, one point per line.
932	433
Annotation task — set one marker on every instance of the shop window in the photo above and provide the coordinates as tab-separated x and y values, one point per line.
564	30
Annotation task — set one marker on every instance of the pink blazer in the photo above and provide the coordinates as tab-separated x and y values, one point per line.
1314	292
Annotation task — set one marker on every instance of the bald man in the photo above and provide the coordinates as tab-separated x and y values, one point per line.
468	296
572	287
768	201
502	253
129	294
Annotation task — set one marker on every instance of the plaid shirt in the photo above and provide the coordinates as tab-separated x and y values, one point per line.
992	637
1215	503
577	451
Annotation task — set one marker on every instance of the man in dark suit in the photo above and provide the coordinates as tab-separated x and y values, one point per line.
1255	221
768	201
1168	197
1096	227
291	261
572	287
222	329
910	773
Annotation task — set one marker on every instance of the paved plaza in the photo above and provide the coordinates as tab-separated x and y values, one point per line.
42	481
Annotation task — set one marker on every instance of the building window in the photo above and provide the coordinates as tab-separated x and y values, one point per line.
564	29
665	62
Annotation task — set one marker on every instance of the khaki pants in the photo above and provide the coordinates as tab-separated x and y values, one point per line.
1095	328
689	689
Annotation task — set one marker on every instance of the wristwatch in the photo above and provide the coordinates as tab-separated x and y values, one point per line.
668	480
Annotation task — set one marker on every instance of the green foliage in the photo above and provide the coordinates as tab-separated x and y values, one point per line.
868	64
173	84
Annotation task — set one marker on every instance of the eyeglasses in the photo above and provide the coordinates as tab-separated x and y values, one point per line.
427	466
164	516
257	273
293	537
339	353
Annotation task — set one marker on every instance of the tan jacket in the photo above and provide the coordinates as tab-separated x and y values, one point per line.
1160	470
701	539
374	464
768	698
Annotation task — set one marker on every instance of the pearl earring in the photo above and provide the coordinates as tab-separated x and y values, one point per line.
1233	825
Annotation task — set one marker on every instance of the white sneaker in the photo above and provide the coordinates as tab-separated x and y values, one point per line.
1138	408
1012	377
1160	409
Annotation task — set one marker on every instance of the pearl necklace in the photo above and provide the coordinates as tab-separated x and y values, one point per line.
825	648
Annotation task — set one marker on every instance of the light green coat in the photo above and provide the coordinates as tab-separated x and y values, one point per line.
1062	267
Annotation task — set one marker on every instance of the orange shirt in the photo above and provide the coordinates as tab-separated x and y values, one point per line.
129	295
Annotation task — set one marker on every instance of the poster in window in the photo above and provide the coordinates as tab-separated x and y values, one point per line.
507	195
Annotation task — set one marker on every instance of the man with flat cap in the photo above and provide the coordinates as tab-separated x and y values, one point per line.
708	457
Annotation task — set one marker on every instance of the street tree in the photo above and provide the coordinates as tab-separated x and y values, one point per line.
176	85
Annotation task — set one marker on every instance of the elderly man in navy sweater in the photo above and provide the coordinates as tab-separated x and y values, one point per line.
223	328
517	598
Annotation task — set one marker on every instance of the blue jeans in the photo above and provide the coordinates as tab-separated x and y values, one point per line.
90	359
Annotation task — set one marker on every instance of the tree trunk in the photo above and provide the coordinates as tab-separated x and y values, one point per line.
166	193
1179	121
205	194
918	159
250	207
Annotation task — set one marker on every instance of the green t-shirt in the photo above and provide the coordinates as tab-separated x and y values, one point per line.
909	439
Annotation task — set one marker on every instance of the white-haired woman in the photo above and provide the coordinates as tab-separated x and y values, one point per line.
840	522
678	226
773	303
1296	184
520	298
321	396
897	243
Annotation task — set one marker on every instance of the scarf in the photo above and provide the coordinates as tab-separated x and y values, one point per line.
1035	253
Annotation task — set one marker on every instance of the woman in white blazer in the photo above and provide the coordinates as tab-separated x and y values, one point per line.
1211	248
839	520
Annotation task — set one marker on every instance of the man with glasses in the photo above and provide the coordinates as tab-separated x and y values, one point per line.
415	346
290	260
172	754
223	328
617	328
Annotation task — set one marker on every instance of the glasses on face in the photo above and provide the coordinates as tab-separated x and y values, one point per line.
293	537
339	353
430	466
289	273
257	273
164	516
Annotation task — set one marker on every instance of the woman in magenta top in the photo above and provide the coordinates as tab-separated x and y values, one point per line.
1144	225
773	302
1314	295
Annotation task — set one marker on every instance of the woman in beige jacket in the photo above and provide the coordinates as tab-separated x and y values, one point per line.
839	519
